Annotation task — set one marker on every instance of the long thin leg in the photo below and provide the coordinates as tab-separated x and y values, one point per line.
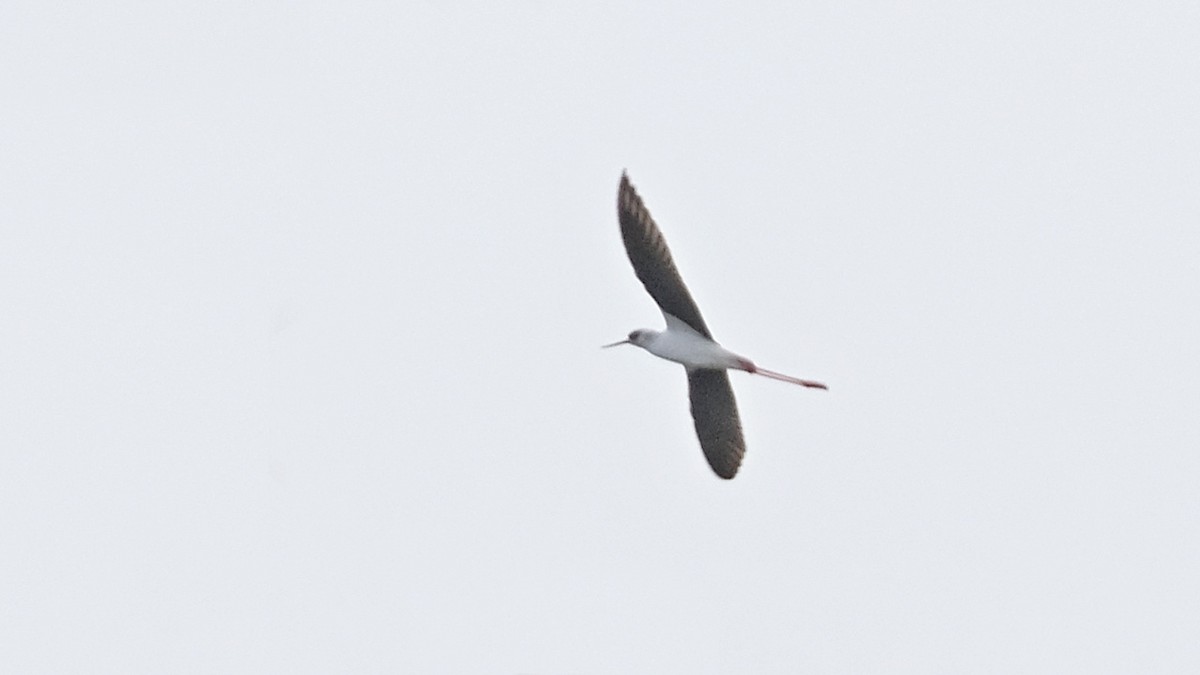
787	378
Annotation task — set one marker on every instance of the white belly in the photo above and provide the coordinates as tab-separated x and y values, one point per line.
693	350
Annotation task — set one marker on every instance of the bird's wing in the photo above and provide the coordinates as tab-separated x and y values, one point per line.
647	250
715	414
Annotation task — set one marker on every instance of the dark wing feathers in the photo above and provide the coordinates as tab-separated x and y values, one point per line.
647	250
715	414
714	409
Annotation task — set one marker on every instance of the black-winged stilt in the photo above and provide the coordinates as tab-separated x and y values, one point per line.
687	340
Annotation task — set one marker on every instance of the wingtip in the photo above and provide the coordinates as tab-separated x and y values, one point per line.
627	196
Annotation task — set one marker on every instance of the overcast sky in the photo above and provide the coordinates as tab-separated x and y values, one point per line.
299	365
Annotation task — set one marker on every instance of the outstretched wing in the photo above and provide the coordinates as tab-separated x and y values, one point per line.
714	411
647	250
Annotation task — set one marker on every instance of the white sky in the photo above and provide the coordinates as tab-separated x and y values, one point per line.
299	367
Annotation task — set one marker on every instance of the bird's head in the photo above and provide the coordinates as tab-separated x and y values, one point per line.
637	338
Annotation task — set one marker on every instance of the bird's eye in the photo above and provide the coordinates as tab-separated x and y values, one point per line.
634	335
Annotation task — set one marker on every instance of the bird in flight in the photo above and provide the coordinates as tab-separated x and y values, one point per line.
687	340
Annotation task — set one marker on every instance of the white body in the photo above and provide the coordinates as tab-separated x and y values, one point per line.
681	344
